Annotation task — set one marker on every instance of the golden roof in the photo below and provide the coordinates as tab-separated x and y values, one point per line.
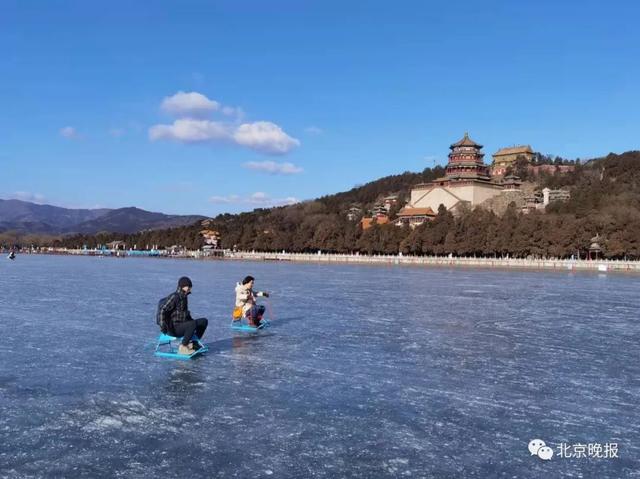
466	141
514	150
416	212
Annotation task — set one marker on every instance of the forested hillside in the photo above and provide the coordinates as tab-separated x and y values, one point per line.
605	200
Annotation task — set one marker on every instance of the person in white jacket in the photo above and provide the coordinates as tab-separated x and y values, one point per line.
246	302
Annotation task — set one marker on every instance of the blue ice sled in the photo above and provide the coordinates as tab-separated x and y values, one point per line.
239	325
166	348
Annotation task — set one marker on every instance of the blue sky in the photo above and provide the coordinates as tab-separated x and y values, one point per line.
291	100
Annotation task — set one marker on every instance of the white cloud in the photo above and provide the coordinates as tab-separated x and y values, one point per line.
265	137
225	199
314	130
192	126
191	104
258	199
26	196
69	132
261	136
273	168
233	111
188	130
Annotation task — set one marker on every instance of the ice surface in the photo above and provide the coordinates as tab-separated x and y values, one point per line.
367	372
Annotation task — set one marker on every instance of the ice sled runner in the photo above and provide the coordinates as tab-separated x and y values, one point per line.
240	325
167	347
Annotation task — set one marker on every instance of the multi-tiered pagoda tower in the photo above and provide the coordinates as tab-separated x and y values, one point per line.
466	161
467	181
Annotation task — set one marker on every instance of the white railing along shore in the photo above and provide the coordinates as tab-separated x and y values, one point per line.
516	263
600	265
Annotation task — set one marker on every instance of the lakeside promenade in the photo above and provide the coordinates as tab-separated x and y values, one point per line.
601	265
447	261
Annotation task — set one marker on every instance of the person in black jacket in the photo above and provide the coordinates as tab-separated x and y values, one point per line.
175	315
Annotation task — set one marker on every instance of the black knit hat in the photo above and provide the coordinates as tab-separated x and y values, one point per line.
184	281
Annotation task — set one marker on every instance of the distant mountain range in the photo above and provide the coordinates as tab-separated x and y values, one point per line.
26	217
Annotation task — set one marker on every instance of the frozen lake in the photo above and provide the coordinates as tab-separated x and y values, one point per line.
367	372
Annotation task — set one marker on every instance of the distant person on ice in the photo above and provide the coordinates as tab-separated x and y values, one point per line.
174	318
246	302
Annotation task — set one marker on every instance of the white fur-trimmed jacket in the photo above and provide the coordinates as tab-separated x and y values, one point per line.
245	297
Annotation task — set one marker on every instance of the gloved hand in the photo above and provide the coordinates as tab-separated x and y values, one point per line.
265	294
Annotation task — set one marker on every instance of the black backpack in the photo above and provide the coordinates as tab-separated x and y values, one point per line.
160	320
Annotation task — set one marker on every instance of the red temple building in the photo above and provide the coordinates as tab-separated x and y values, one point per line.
467	181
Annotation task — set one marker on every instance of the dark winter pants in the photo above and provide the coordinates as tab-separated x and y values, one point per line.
187	328
255	313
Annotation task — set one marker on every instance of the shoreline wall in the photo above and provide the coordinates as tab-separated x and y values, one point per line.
503	263
427	261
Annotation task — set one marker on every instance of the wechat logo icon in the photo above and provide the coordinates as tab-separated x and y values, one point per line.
537	447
